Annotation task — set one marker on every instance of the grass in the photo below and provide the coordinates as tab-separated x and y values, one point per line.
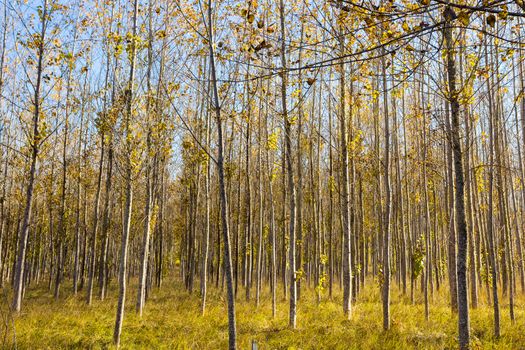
172	320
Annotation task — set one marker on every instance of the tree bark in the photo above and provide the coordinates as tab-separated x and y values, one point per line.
35	148
461	224
232	331
128	186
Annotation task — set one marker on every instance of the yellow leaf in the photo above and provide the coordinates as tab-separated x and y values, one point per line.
464	18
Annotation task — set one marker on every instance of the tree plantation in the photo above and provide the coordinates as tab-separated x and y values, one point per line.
262	174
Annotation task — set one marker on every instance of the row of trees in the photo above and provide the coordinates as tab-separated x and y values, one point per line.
294	145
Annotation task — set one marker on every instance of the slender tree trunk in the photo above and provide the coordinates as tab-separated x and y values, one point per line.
93	255
461	224
490	223
141	294
206	244
128	186
35	148
289	169
386	224
232	331
346	237
261	209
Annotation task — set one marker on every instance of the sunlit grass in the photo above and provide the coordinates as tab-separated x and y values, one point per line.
172	320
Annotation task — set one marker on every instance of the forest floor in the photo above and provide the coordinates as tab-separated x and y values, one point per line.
172	320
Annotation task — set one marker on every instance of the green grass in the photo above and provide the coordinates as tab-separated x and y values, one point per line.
172	320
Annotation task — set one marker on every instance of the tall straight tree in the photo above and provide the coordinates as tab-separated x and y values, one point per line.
492	248
345	193
289	170
141	294
232	330
128	169
35	144
386	218
206	243
461	224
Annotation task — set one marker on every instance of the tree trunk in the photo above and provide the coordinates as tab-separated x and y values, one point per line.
35	148
346	237
461	224
232	331
128	185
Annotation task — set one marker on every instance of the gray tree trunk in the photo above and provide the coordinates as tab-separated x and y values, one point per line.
289	169
128	189
232	331
18	284
461	224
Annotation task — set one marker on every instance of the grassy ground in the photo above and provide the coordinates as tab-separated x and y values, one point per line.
172	320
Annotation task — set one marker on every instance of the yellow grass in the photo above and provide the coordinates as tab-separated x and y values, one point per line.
172	320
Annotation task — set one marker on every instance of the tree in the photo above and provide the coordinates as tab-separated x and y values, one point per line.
461	224
34	144
232	330
128	167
